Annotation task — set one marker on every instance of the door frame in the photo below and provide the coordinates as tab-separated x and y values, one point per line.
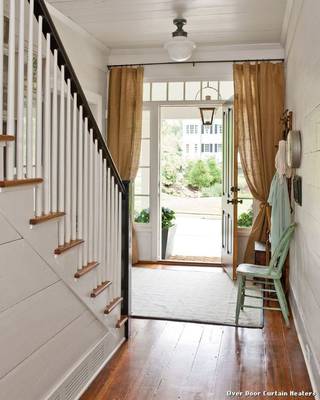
154	227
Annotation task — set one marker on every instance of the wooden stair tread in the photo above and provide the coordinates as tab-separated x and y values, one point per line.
7	138
103	286
20	182
87	268
46	217
113	304
67	246
122	321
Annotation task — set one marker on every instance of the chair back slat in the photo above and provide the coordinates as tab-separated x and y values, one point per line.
280	254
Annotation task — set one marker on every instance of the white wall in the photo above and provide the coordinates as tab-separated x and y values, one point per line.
89	59
303	98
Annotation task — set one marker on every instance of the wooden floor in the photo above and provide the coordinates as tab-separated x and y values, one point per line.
185	361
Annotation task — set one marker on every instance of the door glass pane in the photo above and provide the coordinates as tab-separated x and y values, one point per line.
245	209
141	209
145	153
142	181
175	91
226	89
159	91
145	124
192	91
146	91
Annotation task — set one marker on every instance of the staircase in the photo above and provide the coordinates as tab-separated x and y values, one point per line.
64	230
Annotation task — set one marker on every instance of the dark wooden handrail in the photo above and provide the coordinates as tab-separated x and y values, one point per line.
40	9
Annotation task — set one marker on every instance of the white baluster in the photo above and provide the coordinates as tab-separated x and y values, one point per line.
91	198
80	184
85	193
54	140
20	87
62	160
11	93
1	91
96	202
29	141
74	148
67	233
112	241
39	120
115	233
108	234
47	130
104	221
119	243
1	76
100	216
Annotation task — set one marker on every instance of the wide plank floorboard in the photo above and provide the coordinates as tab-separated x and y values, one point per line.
184	361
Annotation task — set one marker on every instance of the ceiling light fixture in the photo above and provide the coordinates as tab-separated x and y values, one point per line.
180	47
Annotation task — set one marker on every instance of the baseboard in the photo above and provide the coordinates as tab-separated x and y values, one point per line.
76	382
311	362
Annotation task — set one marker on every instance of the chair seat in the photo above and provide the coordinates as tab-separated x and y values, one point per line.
255	270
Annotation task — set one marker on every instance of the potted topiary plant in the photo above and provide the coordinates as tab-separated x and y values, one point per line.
168	231
167	225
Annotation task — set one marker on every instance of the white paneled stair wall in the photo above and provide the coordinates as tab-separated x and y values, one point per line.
61	203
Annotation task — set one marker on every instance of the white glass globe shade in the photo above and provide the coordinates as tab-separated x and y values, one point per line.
180	48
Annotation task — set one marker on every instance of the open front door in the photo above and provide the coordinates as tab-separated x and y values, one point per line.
229	252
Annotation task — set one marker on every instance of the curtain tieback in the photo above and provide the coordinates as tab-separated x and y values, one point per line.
263	205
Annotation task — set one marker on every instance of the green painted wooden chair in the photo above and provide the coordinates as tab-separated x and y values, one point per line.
270	275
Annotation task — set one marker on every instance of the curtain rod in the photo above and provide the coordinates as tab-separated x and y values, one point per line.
195	62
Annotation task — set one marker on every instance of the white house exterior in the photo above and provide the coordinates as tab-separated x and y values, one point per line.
201	142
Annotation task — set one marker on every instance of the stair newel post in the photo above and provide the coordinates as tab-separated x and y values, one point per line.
126	256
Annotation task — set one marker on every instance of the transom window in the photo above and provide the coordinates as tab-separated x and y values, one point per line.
187	91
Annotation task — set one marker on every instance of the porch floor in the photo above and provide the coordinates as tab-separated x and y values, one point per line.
197	238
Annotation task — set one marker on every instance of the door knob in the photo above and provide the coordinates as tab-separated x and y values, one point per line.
234	189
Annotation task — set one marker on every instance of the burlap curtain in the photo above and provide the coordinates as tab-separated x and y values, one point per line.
124	125
258	106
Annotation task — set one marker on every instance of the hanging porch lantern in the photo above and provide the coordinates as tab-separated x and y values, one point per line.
207	114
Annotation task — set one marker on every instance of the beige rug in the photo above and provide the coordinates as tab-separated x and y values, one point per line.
196	296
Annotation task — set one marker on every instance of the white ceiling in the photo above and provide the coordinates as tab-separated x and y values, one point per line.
148	23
